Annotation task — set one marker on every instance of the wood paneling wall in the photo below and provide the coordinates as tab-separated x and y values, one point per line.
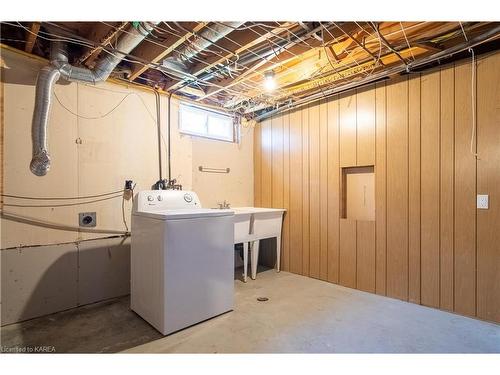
428	244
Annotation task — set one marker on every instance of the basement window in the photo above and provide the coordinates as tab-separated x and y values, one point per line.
206	123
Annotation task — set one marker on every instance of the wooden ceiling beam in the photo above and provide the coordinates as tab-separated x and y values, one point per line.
154	53
89	57
358	43
31	36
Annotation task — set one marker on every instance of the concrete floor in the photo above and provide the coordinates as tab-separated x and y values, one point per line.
302	315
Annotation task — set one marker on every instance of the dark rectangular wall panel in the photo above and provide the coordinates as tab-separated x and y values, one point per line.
414	105
323	190
347	106
447	192
257	165
305	191
348	253
430	197
488	182
266	163
296	185
365	255
465	196
380	189
277	162
365	126
285	257
314	192
333	190
397	189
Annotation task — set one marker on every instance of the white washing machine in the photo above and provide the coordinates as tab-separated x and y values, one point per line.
182	259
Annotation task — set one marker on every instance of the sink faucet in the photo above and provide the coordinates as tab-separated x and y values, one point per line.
224	205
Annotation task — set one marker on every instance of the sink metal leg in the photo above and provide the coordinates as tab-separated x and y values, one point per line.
245	261
254	258
278	253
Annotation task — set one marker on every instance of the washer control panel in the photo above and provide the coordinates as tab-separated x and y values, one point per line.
166	200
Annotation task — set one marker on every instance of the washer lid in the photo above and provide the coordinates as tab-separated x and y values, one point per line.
185	213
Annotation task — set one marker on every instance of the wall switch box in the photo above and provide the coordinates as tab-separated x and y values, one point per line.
482	201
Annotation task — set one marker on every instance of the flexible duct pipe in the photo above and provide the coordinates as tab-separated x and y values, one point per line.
208	37
205	39
40	162
59	67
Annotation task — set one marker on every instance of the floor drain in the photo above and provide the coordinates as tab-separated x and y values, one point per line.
262	299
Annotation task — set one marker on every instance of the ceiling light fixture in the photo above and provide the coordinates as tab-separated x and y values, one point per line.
269	81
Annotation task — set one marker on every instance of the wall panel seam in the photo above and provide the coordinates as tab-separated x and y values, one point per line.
420	189
440	187
453	195
385	185
376	184
474	88
408	188
339	181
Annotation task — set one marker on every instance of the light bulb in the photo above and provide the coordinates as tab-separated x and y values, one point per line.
269	82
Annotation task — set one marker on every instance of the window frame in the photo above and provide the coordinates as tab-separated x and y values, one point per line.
208	112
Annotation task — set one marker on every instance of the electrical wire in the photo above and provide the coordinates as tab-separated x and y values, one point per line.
127	94
134	59
346	66
224	67
46	224
158	123
124	219
208	83
463	31
62	198
149	65
473	97
62	204
263	60
473	103
93	117
229	62
353	77
376	60
343	48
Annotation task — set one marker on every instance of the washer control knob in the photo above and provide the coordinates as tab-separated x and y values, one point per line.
160	198
188	198
150	198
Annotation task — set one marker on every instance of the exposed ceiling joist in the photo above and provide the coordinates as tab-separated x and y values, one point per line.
111	33
31	36
155	53
358	43
238	41
280	57
307	58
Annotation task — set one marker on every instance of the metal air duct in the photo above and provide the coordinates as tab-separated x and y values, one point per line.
204	39
59	67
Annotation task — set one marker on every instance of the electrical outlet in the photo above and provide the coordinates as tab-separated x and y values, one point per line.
482	201
87	219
